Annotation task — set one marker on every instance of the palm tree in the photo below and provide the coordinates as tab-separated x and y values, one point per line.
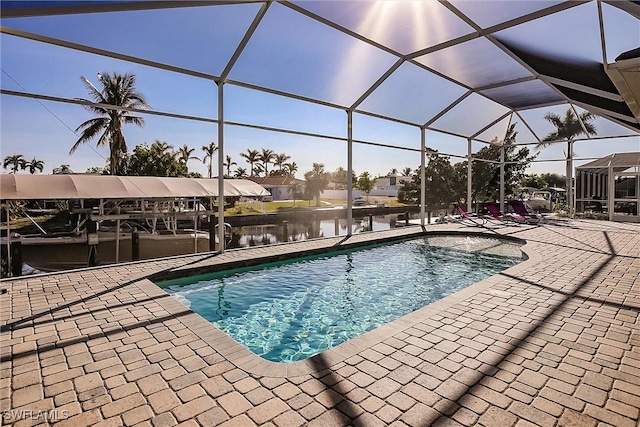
228	163
63	169
266	156
118	90
317	181
568	128
258	169
290	169
34	165
280	160
208	154
252	158
16	161
184	154
406	171
240	173
295	188
162	146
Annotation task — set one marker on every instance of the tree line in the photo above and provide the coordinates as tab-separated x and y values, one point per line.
446	182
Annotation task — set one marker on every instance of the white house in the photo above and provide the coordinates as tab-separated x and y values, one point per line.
278	186
389	185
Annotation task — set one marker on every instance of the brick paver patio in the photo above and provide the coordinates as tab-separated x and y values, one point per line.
554	341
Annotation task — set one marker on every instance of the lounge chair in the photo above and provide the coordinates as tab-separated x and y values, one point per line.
466	219
521	209
495	214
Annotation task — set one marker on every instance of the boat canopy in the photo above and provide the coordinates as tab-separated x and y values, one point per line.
68	187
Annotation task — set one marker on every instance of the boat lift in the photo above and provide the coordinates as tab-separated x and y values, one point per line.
117	198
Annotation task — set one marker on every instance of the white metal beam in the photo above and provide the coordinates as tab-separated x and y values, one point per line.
423	178
221	241
245	40
349	172
469	176
582	88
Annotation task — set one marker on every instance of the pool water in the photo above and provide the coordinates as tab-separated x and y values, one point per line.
293	310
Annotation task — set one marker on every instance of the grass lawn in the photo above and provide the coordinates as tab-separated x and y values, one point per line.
279	205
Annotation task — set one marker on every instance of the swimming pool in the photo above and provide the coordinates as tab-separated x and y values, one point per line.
292	310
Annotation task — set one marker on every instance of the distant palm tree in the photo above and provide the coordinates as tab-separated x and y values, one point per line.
118	90
240	173
251	157
208	155
228	163
162	146
258	169
184	154
266	156
34	165
295	188
393	171
317	181
16	161
290	169
63	169
406	171
568	128
280	160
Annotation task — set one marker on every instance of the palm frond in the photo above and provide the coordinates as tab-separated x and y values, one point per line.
91	128
133	120
554	119
93	91
117	90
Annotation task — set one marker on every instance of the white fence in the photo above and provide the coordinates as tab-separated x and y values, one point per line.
339	194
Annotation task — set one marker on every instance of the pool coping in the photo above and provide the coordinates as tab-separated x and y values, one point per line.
245	359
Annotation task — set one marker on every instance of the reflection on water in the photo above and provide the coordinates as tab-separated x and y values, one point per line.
267	234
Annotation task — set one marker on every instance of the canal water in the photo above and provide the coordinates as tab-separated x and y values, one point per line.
257	235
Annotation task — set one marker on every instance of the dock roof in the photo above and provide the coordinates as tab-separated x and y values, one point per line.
81	186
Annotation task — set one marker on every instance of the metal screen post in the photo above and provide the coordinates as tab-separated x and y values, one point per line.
349	172
221	242
423	185
469	176
9	272
612	192
502	177
570	193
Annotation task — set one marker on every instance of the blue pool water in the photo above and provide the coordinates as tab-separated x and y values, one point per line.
290	311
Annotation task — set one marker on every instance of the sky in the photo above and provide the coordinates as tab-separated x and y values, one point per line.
303	56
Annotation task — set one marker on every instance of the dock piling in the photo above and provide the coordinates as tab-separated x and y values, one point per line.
285	231
135	246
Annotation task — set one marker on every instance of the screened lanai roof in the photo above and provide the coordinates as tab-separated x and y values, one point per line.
465	68
618	161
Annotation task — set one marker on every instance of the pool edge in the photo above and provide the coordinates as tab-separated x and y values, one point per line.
244	359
